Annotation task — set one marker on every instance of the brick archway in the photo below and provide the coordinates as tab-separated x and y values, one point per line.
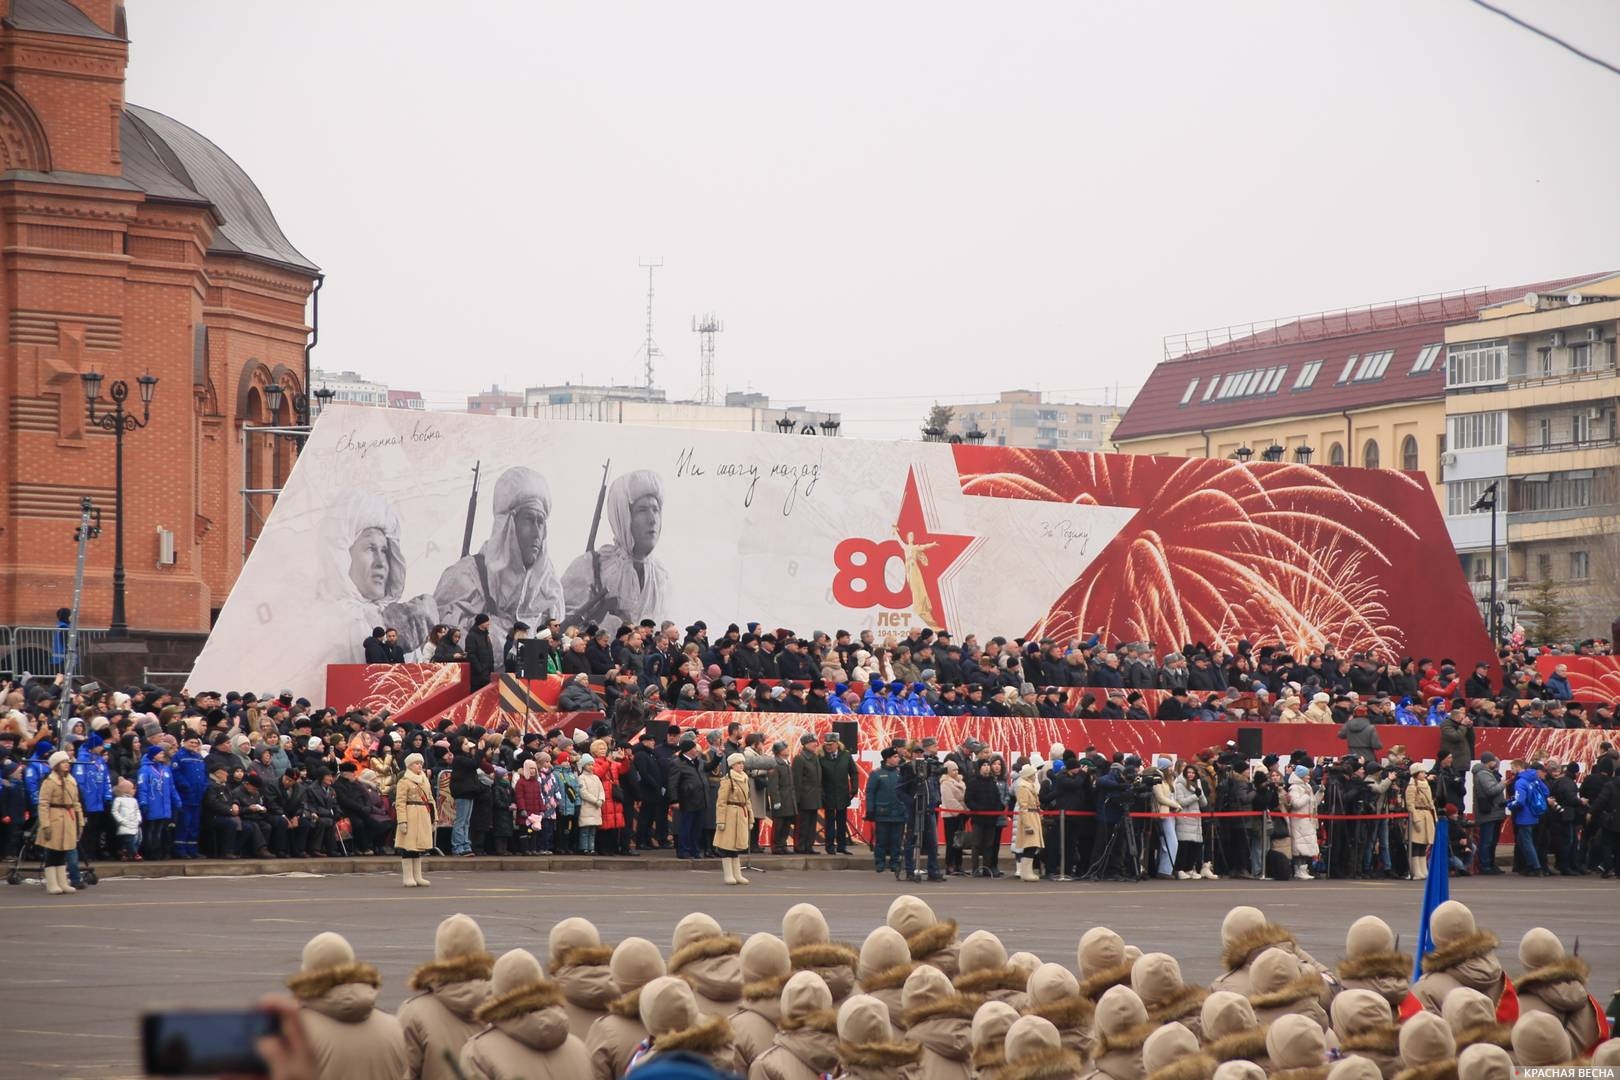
22	137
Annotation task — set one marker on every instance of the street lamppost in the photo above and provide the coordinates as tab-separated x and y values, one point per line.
118	422
1302	454
1243	453
829	427
1487	501
975	436
1274	452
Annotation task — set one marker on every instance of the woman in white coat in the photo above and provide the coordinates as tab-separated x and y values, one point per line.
1303	829
1191	800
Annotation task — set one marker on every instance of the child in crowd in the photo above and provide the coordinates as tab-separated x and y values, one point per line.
127	813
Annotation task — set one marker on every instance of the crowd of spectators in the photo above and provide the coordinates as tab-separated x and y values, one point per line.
173	775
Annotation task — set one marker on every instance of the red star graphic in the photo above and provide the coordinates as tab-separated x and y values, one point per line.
931	553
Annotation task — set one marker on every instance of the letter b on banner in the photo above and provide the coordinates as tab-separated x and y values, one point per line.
859	582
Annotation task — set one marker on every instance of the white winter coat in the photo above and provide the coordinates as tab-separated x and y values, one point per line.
1190	798
1303	830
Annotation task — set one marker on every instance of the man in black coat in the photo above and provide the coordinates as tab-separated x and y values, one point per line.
689	792
480	652
745	661
652	780
220	814
289	803
375	649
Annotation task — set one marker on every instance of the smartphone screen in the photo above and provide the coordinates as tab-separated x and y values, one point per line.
204	1042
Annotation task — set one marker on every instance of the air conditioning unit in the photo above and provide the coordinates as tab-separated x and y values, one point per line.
1596	412
165	547
1448	459
1594	334
1558	339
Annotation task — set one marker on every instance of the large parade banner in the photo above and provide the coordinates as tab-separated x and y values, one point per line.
403	519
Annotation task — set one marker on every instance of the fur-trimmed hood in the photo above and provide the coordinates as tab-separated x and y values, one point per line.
1198	1066
1569	969
1305	988
1378	1039
766	989
926	942
986	980
1376	965
708	1036
528	998
1445	1069
1071	1013
1188	1001
988	1061
1249	1045
346	992
1047	1065
894	1055
457	969
1128	1041
532	1014
1246	947
1475	946
580	956
835	964
825	955
704	949
955	1007
1097	985
888	979
823	1020
1495	1034
627	1005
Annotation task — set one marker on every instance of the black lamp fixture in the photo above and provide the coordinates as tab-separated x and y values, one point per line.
1243	454
1274	452
829	427
785	425
323	398
1302	454
274	395
975	436
933	434
119	423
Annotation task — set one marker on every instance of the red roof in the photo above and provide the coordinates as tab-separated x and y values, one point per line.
1247	384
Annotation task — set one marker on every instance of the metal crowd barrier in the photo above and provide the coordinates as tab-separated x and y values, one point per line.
40	650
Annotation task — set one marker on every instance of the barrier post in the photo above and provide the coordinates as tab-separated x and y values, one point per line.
1063	847
1265	842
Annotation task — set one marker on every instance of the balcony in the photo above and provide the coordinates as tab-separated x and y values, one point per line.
1563	447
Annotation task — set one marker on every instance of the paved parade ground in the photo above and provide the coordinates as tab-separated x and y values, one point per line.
79	970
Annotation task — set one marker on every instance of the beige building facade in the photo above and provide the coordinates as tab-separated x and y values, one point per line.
1532	391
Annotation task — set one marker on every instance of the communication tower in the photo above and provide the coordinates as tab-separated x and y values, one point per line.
707	325
650	347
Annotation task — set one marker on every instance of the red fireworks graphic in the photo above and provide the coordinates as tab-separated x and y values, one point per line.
1220	551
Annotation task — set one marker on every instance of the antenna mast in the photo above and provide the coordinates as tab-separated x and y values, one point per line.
650	348
708	325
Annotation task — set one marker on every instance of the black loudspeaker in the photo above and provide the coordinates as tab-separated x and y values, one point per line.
1248	742
848	732
658	729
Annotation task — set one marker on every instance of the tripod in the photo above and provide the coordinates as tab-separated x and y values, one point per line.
911	843
1125	827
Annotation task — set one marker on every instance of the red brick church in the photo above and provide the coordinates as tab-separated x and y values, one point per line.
132	245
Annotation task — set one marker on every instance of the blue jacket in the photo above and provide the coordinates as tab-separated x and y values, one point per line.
883	796
190	773
13	797
1558	687
872	705
36	770
154	788
1523	784
835	704
95	782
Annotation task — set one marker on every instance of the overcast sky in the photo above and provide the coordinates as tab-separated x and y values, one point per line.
886	202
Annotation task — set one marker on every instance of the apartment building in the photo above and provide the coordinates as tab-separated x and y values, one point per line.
1532	389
